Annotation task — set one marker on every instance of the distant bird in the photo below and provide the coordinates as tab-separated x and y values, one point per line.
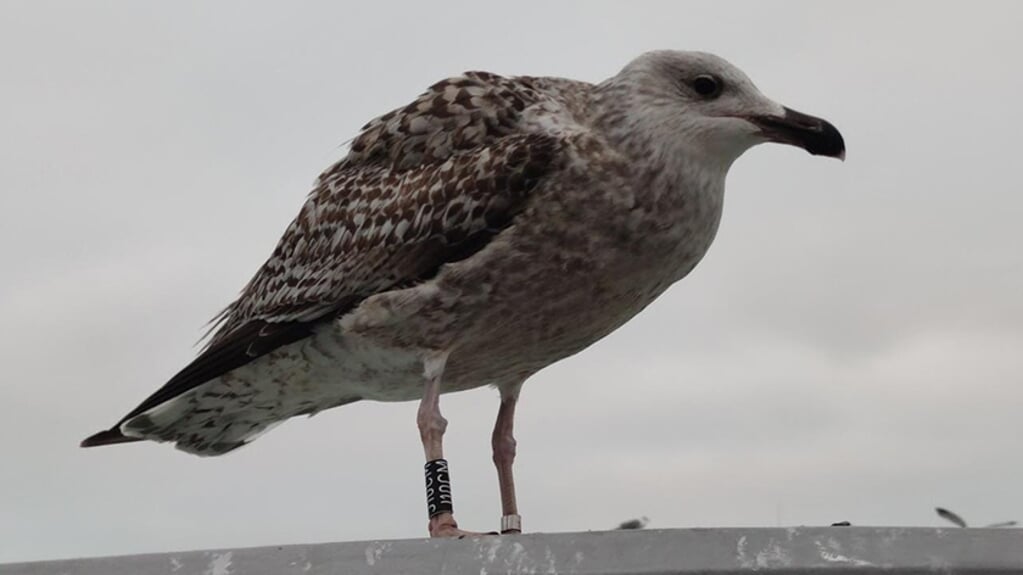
488	229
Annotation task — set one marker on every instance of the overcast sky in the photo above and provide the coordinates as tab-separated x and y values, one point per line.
850	349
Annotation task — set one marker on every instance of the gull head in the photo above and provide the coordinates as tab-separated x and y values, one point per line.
710	109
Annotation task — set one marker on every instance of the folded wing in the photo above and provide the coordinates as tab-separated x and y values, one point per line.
422	186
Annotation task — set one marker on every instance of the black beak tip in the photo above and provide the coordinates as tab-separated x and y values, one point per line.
829	142
816	136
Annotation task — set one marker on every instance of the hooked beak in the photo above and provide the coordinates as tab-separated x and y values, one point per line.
814	135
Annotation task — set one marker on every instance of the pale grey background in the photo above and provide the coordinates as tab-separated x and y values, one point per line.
850	348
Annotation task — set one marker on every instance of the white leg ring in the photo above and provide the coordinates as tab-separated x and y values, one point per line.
511	524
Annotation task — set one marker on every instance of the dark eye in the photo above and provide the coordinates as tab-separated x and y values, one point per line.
707	86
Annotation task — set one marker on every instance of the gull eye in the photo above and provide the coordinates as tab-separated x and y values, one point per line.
707	86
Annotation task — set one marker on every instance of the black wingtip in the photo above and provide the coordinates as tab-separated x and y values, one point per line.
107	437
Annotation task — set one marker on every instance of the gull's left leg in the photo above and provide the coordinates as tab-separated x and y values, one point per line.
431	430
503	443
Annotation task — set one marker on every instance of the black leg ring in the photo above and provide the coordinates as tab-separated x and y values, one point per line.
438	488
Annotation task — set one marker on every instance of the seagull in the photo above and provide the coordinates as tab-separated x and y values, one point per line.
491	227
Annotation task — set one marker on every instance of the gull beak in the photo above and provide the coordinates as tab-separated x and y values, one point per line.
814	135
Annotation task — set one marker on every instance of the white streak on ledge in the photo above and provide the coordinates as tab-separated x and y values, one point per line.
834	554
220	565
774	555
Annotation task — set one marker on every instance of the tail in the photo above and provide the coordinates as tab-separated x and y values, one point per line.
108	437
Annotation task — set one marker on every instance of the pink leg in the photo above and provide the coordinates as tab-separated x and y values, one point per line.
503	442
431	430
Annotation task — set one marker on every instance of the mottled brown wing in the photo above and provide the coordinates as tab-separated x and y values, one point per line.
422	186
417	183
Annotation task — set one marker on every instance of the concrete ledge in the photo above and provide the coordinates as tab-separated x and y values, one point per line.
802	550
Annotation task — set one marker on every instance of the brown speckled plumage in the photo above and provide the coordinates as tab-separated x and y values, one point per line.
508	222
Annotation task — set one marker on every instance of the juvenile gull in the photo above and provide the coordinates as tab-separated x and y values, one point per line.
490	228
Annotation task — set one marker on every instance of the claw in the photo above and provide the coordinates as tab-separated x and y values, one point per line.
444	525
